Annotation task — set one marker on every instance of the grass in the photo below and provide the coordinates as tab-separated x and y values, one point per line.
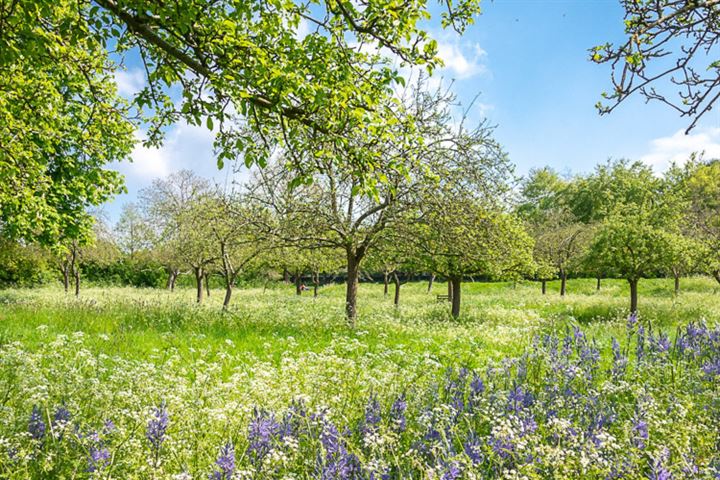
117	353
498	319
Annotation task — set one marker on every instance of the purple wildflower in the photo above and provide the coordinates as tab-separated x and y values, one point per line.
452	472
225	463
99	458
397	414
262	432
157	427
620	361
659	472
473	449
372	415
62	415
36	426
632	322
640	432
108	426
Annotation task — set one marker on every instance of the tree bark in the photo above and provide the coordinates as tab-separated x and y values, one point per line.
716	274
450	290
174	280
316	283
298	284
677	283
396	281
455	282
199	283
543	286
430	283
563	282
170	279
633	295
386	282
207	283
66	276
353	272
228	295
597	287
76	271
286	275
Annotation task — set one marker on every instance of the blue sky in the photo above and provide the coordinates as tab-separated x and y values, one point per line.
528	61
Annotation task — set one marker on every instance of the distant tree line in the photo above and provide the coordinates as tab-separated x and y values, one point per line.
457	218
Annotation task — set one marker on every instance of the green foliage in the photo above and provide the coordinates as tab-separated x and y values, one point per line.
23	265
61	121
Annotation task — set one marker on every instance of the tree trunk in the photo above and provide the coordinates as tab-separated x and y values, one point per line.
386	281
716	274
450	290
597	287
455	282
396	281
169	282
76	271
633	295
316	283
430	283
286	275
66	277
174	280
298	284
543	286
228	294
199	283
677	283
353	271
207	283
563	282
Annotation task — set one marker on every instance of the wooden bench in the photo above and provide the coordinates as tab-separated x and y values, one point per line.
443	298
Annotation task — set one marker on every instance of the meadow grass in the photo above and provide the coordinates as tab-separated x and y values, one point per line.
68	366
498	319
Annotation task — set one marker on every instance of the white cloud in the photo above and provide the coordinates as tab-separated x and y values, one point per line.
462	61
678	147
129	82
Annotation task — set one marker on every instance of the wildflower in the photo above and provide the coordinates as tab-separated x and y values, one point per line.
99	458
109	426
36	426
473	449
225	463
619	360
397	413
657	468
62	416
156	430
157	426
452	472
262	432
632	322
640	432
372	415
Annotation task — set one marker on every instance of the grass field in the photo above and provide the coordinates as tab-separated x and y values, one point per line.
128	356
